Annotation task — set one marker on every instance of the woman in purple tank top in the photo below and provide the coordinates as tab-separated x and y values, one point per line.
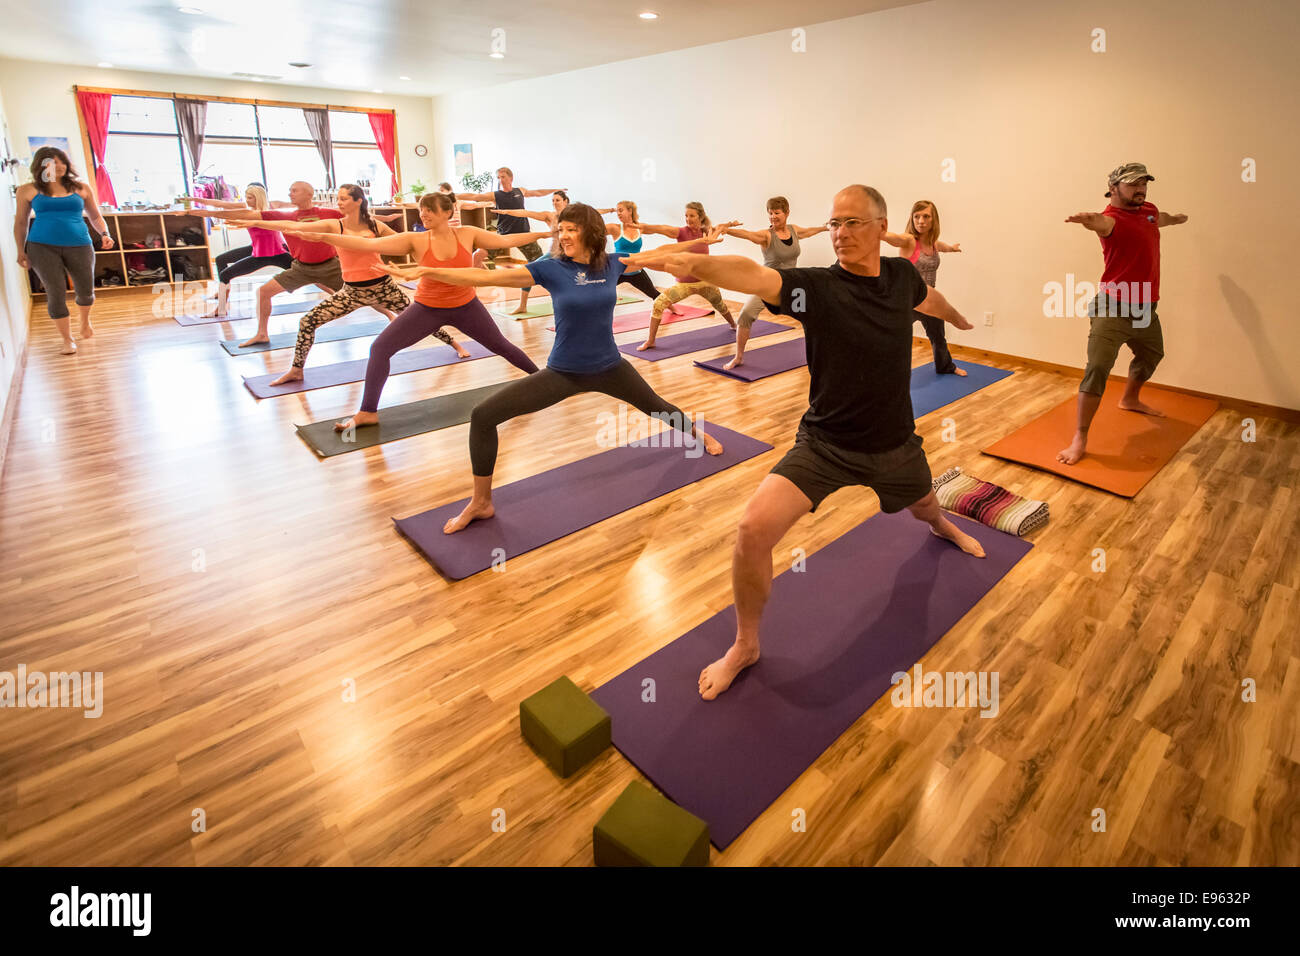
921	246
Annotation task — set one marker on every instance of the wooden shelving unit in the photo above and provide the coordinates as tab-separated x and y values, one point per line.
164	240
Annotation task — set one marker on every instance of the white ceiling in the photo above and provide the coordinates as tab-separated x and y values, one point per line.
442	46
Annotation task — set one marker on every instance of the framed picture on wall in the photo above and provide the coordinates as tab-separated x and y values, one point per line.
464	153
58	142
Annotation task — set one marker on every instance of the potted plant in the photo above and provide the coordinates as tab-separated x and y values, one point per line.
418	189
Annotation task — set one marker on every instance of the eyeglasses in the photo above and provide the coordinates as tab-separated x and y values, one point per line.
848	223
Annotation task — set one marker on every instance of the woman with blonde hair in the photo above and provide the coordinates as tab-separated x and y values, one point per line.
697	226
267	247
920	245
627	242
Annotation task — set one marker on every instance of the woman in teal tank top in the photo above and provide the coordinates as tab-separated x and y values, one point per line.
623	246
57	244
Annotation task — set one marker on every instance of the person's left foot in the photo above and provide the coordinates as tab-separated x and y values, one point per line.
738	360
461	351
293	375
960	538
1142	407
86	330
956	371
647	344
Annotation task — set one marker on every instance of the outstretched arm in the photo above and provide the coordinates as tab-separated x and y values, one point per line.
945	247
398	244
1168	220
494	240
669	231
1098	222
218	203
758	238
471	204
730	272
639	260
934	304
545	216
292	225
477	197
807	232
504	278
240	213
543	192
901	240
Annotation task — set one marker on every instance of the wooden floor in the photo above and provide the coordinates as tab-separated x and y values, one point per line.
143	458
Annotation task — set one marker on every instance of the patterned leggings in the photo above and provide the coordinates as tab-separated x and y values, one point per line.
681	290
385	293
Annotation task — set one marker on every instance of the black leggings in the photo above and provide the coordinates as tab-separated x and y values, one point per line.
641	282
241	262
549	387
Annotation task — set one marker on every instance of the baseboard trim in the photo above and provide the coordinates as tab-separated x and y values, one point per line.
1253	409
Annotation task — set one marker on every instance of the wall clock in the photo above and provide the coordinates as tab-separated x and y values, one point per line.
421	150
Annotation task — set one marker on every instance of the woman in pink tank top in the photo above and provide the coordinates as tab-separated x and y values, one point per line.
366	282
920	245
266	248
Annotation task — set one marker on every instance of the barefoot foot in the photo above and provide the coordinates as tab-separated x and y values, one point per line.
1074	452
522	310
69	347
473	510
255	340
293	375
958	371
462	352
357	421
950	532
86	330
711	444
1142	407
738	360
717	677
648	344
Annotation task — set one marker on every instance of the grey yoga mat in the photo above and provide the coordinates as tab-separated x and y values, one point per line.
541	509
343	373
277	308
396	421
332	332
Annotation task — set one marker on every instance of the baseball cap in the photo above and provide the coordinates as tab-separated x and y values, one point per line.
1128	173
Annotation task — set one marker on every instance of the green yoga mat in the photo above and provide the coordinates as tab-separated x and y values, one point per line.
397	421
546	308
327	333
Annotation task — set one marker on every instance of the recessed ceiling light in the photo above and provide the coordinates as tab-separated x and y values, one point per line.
403	77
301	66
497	56
192	11
105	66
648	15
257	79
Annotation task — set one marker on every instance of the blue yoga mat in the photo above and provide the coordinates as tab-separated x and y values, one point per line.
541	509
930	390
868	605
715	336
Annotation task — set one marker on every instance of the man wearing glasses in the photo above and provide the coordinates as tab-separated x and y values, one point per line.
858	429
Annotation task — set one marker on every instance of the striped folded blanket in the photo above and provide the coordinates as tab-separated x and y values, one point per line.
988	503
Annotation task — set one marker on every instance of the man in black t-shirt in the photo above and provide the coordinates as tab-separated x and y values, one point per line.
858	430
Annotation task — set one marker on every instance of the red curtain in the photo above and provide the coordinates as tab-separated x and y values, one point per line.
384	125
95	108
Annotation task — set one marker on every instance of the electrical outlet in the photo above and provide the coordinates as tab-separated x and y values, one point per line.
988	318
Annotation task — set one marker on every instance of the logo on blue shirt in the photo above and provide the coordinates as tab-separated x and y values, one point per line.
581	279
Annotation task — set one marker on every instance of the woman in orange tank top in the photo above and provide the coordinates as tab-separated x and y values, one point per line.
365	280
436	303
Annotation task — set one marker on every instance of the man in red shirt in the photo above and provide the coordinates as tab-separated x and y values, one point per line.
314	263
1124	310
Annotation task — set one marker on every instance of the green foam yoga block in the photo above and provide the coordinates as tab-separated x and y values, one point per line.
565	726
643	828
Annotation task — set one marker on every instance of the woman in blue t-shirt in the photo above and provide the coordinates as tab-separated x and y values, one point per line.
56	245
581	279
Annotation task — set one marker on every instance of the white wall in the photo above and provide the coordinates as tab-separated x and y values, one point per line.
13	289
1033	119
41	103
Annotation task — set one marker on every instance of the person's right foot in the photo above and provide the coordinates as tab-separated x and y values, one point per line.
358	420
255	340
738	360
69	348
1074	452
647	344
717	677
473	511
960	538
214	313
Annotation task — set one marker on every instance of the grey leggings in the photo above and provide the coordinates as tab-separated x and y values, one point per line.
549	387
53	264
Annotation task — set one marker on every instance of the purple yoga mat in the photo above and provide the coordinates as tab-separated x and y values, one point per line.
342	373
760	363
541	509
868	605
670	346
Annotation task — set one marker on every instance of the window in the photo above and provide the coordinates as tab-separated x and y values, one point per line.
243	143
143	154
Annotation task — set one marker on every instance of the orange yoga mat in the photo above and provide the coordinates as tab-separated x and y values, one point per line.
1125	449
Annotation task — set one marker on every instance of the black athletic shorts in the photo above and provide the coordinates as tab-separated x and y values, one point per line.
899	476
